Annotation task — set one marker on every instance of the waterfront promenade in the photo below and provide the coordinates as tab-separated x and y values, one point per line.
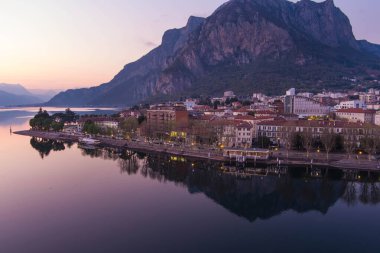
341	161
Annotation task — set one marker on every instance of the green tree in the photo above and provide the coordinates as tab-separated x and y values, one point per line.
91	128
41	121
57	126
263	142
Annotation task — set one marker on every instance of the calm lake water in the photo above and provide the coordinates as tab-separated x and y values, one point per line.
57	197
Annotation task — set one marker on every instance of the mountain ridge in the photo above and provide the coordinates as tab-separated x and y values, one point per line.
8	99
247	45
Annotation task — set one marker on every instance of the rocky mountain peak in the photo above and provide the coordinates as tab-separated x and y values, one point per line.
245	45
194	22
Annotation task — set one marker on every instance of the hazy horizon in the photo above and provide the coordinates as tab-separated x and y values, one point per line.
72	44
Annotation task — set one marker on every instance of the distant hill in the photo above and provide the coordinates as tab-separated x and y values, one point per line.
15	89
44	94
8	99
16	94
245	46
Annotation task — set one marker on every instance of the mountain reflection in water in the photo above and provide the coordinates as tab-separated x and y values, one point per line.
256	197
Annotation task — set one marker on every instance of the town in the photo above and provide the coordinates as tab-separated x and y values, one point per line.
342	124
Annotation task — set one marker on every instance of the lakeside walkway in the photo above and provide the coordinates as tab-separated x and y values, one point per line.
339	161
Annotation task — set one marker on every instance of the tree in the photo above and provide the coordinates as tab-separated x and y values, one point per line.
91	128
288	137
141	119
263	142
41	121
307	141
297	141
350	144
57	126
328	140
129	126
203	133
369	144
216	104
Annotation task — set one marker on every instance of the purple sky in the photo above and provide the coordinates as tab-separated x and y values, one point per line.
78	43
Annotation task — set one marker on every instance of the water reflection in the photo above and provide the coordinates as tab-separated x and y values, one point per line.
257	197
45	146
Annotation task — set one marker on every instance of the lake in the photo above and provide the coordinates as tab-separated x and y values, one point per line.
63	198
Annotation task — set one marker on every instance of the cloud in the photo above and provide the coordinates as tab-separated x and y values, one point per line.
150	44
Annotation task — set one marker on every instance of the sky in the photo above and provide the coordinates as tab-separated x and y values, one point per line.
61	44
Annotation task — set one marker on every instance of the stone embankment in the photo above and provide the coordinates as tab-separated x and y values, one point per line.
281	157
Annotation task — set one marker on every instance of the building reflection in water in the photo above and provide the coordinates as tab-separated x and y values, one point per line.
253	197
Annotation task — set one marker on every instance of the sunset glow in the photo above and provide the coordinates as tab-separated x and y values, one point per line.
81	43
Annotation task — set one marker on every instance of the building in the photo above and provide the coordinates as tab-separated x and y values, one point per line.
228	95
244	111
305	94
244	135
291	92
279	130
303	106
357	115
190	104
130	113
258	97
162	117
102	122
377	119
357	104
253	121
368	98
373	106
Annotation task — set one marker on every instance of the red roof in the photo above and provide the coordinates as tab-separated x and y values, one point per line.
244	125
265	112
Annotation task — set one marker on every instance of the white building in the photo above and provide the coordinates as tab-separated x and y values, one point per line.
368	98
373	107
305	94
291	92
357	115
303	106
259	97
377	118
190	104
228	95
357	104
244	135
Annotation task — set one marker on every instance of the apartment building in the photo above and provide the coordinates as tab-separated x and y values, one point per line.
357	115
304	106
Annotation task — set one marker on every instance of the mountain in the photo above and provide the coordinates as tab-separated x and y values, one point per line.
44	94
16	94
8	99
15	89
246	46
369	47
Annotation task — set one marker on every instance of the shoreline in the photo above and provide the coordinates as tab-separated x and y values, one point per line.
294	159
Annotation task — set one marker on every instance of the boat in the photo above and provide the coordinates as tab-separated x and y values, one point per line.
89	141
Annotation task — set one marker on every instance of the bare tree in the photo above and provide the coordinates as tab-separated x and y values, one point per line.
350	143
370	142
287	137
307	141
328	139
